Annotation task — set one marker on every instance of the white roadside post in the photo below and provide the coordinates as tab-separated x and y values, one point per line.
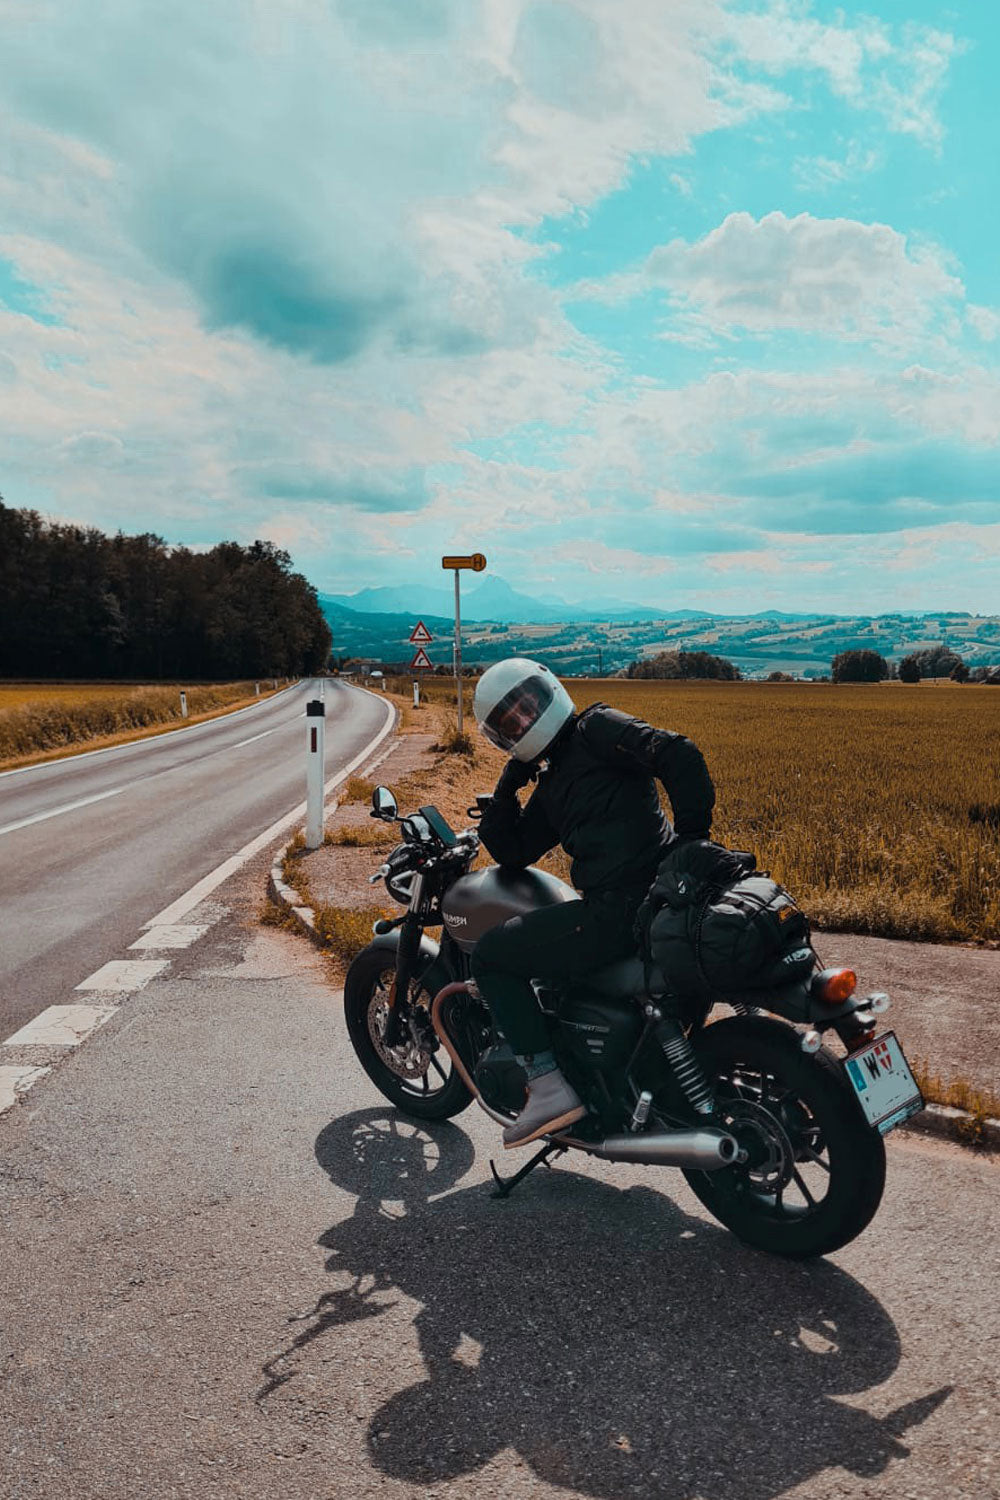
184	704
477	563
315	725
416	693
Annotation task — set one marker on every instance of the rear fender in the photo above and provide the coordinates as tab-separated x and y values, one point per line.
796	1002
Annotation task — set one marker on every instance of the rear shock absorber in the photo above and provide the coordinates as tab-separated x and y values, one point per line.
687	1070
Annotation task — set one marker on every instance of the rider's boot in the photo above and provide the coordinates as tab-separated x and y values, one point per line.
552	1104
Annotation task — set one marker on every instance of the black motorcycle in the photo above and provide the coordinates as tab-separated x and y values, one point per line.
781	1139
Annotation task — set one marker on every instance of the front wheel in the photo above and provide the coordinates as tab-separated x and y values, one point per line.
416	1074
814	1170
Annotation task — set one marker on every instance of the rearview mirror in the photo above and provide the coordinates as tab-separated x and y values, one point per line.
384	804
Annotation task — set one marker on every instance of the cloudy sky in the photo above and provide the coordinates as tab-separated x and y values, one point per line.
688	302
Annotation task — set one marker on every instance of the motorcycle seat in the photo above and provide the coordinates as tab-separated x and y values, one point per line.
625	978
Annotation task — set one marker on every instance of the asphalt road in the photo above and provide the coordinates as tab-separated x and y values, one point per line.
231	1269
94	846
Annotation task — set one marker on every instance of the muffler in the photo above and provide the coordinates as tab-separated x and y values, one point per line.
705	1150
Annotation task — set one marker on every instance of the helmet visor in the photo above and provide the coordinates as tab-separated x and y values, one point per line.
517	712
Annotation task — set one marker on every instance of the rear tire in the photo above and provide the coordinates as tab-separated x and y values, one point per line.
421	1080
817	1169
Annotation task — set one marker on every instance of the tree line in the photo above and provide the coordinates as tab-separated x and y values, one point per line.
934	661
76	603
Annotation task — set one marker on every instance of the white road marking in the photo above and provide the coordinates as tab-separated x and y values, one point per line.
61	1026
168	937
55	812
123	976
179	909
254	737
16	1081
65	760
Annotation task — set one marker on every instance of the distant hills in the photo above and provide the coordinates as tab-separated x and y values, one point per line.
604	636
493	599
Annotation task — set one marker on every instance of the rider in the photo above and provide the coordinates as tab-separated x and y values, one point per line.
596	795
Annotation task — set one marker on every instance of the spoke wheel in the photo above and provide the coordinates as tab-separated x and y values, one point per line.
814	1170
414	1072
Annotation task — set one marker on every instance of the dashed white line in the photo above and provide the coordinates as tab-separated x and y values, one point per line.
169	937
55	812
262	736
61	1026
123	976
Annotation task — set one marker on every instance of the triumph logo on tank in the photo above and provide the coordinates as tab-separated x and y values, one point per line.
456	921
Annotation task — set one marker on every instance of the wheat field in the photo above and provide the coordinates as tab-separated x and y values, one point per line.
878	806
40	719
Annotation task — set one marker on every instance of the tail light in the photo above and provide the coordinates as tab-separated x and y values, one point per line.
834	986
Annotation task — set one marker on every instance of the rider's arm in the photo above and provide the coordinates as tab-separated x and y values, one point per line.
631	743
514	835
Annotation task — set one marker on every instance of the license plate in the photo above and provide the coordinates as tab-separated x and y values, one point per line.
880	1076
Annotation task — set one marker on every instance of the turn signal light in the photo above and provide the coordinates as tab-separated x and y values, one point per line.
834	986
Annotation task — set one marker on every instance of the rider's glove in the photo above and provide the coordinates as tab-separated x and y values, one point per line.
515	775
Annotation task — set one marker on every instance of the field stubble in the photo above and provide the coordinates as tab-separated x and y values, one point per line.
877	806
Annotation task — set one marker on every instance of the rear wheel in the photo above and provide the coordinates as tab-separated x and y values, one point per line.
815	1169
415	1073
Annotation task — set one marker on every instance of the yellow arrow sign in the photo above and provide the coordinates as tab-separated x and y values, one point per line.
476	562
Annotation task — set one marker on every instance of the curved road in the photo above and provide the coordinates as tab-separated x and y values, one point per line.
94	846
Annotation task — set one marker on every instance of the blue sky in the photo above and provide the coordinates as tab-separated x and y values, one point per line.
693	304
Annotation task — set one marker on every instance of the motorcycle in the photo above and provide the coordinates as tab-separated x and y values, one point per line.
780	1138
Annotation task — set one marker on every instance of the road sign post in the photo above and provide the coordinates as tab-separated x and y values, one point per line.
477	562
315	760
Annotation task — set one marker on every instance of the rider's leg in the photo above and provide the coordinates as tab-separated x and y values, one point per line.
555	942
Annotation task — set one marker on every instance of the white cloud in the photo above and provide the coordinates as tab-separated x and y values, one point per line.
836	277
898	80
284	245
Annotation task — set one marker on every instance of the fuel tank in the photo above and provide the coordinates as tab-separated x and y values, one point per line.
482	900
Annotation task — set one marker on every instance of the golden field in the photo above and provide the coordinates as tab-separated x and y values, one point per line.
38	720
878	806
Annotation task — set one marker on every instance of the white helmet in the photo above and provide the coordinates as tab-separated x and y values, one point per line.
521	707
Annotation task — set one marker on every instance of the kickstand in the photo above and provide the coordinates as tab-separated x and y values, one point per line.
506	1185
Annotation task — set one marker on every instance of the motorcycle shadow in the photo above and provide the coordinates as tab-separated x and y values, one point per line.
626	1346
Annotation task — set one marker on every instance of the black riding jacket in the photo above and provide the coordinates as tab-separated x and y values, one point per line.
596	795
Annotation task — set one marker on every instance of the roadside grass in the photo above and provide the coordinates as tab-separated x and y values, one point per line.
377	836
346	929
356	789
980	1104
40	722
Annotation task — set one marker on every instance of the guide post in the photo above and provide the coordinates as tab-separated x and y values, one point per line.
315	761
477	562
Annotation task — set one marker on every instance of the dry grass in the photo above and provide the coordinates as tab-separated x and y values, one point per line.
40	721
345	929
363	836
980	1104
357	789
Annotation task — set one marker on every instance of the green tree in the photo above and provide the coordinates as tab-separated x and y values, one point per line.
909	668
859	666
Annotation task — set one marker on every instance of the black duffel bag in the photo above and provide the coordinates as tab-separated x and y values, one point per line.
715	925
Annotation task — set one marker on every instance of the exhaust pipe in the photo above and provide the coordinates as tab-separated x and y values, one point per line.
705	1150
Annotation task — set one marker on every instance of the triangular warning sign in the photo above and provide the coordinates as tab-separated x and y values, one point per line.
420	635
421	660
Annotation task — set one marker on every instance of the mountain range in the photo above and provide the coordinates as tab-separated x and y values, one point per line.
495	600
375	624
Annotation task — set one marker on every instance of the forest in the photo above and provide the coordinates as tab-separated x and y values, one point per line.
76	603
